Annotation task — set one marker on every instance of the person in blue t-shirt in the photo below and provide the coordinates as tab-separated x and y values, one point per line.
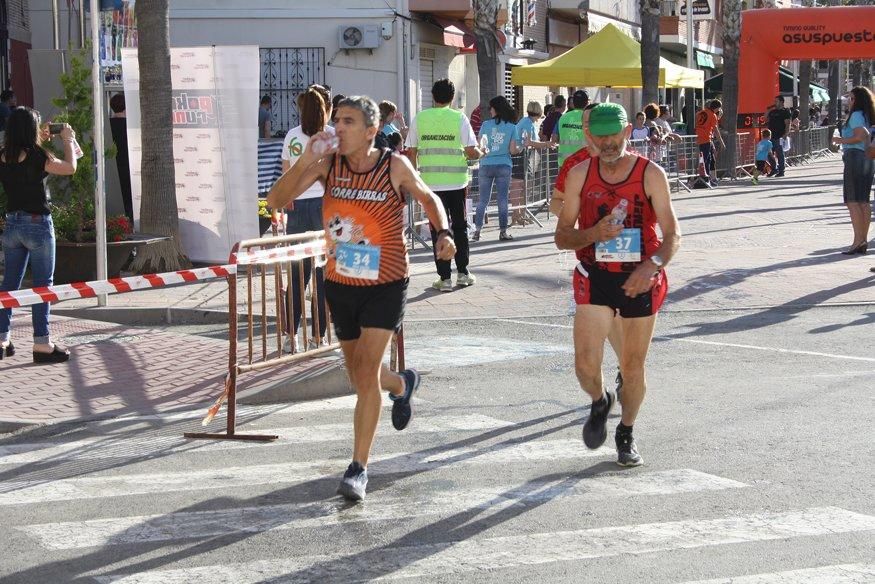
855	139
498	134
763	155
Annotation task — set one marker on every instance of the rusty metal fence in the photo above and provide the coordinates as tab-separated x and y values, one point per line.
534	172
265	269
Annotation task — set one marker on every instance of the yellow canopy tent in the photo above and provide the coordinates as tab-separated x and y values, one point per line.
609	58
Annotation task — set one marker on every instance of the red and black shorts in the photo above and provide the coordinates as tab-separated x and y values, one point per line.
602	288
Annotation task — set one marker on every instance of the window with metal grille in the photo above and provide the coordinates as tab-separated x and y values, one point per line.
426	76
286	72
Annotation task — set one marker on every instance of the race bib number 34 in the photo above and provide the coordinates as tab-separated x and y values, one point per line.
357	261
626	247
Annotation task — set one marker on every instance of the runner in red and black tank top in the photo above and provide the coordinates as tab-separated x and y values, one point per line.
599	197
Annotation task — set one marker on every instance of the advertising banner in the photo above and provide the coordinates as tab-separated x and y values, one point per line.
702	9
215	145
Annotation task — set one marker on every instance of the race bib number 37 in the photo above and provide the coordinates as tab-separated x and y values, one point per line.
626	247
357	261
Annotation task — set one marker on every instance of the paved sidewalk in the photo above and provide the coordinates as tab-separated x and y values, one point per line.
744	246
773	245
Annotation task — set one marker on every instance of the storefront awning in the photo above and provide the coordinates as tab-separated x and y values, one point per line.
459	35
817	92
704	59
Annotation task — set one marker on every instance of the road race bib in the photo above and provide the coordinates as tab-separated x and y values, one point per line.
626	247
357	261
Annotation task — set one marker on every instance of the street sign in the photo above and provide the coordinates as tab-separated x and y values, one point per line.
702	10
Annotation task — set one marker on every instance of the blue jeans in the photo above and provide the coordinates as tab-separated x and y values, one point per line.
778	151
28	237
500	175
306	216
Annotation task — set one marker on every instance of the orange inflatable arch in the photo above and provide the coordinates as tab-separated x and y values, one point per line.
774	34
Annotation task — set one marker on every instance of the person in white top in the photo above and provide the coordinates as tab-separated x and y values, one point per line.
305	213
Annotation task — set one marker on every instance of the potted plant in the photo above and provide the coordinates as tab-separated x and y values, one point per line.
73	196
263	216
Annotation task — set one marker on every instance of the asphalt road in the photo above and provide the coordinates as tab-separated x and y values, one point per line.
756	435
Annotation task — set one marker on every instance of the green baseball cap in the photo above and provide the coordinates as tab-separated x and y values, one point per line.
607	119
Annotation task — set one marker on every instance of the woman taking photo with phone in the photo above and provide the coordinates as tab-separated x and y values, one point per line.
30	234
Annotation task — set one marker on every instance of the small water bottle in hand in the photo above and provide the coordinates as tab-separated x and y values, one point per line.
484	142
323	145
77	150
619	212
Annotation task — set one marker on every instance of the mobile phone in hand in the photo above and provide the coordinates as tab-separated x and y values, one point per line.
55	128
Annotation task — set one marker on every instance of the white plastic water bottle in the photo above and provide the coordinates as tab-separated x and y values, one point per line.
77	150
836	133
321	146
619	212
484	142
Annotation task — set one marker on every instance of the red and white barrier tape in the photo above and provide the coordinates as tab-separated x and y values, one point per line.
298	251
77	290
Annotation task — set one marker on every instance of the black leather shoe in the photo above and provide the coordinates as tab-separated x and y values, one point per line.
7	351
56	356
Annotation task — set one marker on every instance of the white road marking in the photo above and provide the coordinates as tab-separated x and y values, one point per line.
530	323
773	349
35	492
840	574
474	555
99	447
462	350
717	344
335	403
323	514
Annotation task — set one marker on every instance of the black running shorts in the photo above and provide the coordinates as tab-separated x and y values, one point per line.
594	286
356	307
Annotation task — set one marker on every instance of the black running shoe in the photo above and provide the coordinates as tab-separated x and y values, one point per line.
619	382
594	431
354	482
402	411
627	451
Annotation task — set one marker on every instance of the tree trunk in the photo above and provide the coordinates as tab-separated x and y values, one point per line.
650	13
731	17
158	211
486	33
805	84
834	95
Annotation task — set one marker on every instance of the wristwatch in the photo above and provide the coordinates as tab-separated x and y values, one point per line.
657	261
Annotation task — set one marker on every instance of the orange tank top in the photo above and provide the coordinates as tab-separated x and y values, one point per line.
363	217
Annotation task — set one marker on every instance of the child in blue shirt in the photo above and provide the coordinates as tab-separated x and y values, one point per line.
763	155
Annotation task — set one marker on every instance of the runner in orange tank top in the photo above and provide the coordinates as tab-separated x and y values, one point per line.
612	226
366	287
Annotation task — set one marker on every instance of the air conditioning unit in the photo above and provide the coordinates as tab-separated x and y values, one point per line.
359	36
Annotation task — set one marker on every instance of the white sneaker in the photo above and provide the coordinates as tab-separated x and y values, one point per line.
290	345
465	280
443	285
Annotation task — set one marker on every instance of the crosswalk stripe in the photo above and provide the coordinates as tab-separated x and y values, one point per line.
321	405
98	447
323	514
31	492
840	574
459	557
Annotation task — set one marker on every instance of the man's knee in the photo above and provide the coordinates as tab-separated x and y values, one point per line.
364	374
588	368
